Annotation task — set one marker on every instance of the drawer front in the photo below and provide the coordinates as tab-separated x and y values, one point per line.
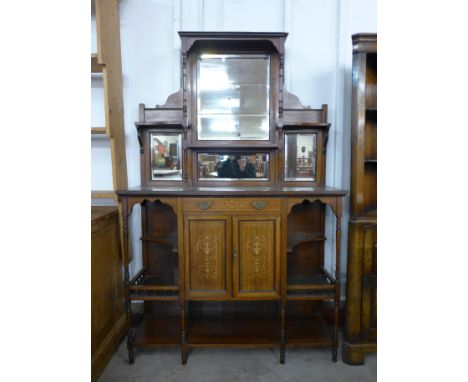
232	205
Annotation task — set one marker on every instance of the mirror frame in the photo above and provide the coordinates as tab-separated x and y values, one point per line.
319	160
298	179
266	91
192	101
193	164
144	138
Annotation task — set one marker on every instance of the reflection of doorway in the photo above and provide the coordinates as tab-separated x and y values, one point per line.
291	155
300	156
304	167
165	161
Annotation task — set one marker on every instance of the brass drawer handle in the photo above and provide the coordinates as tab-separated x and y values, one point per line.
259	205
204	205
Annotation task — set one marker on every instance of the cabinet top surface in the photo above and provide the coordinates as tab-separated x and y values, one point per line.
232	191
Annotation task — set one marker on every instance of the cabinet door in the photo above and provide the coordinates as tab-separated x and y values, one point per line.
207	256
369	282
256	256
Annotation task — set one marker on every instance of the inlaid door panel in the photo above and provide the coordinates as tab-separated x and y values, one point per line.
207	250
369	282
256	255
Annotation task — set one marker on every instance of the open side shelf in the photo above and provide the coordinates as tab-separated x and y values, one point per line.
153	295
152	288
156	331
312	331
315	287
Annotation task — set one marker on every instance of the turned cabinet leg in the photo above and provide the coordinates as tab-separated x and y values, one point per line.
335	333
131	355
282	353
184	356
334	354
337	281
283	335
128	302
183	342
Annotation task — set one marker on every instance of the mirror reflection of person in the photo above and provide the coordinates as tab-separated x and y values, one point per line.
236	167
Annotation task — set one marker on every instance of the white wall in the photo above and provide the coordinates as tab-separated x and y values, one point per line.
318	68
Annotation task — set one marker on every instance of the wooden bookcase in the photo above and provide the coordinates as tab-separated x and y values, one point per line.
361	286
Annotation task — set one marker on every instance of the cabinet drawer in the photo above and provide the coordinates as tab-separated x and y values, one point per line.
232	204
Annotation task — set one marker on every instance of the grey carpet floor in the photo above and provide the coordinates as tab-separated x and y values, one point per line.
232	365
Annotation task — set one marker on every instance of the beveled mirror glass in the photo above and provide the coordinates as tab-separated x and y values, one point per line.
300	157
233	97
166	163
233	166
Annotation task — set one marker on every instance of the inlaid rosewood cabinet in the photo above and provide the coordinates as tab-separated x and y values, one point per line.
233	201
361	293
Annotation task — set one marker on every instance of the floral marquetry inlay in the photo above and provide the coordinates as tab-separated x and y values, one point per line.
207	255
257	246
257	240
207	248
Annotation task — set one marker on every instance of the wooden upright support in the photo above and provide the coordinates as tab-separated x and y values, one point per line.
108	55
108	61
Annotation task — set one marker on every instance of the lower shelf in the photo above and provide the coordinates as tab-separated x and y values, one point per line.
157	332
309	332
230	332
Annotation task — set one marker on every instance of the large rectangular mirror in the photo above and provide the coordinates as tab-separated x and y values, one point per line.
233	166
166	163
300	157
233	97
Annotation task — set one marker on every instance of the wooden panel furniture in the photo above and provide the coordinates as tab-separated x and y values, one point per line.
108	320
361	295
233	202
